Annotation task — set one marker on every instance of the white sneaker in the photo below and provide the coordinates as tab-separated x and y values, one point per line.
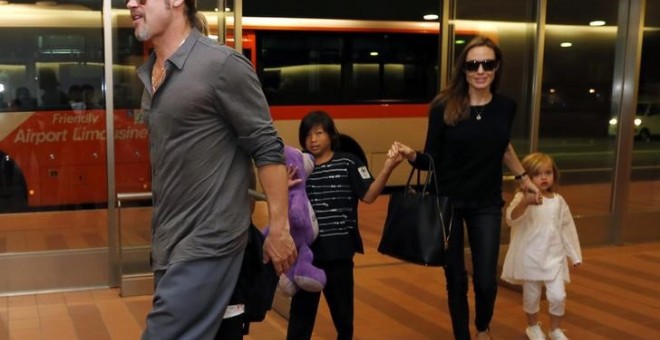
535	332
557	334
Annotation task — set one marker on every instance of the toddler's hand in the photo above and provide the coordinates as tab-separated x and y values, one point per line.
531	197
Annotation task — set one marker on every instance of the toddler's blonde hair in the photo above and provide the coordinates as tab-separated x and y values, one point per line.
533	163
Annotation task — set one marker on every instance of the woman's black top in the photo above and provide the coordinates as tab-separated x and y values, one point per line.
468	156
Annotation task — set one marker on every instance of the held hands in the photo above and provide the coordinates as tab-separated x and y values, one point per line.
280	249
532	193
530	197
403	150
394	158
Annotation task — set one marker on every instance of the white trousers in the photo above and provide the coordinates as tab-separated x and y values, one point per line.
555	292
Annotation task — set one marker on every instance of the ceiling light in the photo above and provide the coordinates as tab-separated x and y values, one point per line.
431	17
566	44
597	23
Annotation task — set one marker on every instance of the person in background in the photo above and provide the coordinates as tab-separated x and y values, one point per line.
88	95
23	100
542	238
52	97
338	182
76	99
3	104
468	138
207	119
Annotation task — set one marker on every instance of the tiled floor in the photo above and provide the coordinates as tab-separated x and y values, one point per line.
615	295
91	314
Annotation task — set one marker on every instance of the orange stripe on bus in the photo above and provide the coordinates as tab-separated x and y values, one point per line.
351	111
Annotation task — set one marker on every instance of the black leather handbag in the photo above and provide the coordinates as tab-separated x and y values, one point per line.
418	222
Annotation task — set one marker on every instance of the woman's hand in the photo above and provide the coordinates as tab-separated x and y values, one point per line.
394	158
405	151
527	186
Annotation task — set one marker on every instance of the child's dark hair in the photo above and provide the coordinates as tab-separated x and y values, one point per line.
316	118
534	161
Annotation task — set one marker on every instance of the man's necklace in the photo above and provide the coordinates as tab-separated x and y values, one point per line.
157	78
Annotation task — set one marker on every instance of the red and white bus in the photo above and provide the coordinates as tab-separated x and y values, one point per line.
374	77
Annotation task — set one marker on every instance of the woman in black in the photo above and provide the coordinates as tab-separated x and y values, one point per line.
468	138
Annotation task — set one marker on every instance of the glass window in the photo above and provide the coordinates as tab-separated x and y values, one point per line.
644	194
578	68
131	154
52	134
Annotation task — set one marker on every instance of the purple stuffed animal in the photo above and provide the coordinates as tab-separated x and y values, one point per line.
304	228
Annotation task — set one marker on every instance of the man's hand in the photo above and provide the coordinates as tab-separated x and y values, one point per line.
280	249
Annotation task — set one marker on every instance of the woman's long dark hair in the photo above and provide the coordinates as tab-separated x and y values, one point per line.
455	96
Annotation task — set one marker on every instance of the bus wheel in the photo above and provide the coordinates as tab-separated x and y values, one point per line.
13	190
350	145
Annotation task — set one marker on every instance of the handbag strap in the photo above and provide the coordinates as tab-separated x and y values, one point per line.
431	175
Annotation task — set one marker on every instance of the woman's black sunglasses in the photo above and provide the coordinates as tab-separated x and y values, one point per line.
473	65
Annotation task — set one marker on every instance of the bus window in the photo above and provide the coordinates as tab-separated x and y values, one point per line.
300	68
393	67
346	68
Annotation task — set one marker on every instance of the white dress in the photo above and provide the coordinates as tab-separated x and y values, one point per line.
541	241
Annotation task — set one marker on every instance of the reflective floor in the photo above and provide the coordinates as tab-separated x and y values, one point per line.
615	295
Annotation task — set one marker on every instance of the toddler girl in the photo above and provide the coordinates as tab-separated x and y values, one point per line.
542	238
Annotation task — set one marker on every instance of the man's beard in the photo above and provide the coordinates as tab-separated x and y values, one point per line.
142	34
